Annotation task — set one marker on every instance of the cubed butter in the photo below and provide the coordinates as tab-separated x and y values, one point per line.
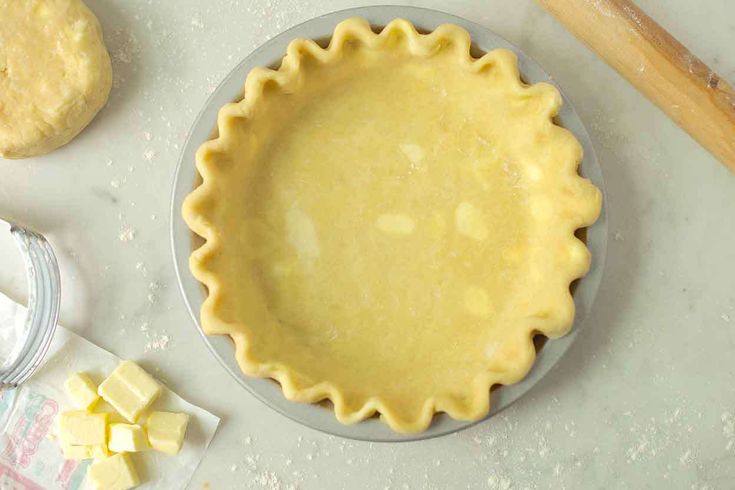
166	431
126	438
130	390
80	428
82	391
114	473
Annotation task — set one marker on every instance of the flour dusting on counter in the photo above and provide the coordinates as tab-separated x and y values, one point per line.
156	342
728	429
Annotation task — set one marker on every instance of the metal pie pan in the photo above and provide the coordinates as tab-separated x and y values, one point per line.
320	416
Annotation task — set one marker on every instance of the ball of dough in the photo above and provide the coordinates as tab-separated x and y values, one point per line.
55	74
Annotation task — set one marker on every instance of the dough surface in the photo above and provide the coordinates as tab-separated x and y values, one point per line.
55	74
388	222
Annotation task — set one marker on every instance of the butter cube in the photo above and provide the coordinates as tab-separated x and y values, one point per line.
166	431
82	391
126	438
130	390
114	473
80	428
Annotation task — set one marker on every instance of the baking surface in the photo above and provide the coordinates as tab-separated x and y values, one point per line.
644	399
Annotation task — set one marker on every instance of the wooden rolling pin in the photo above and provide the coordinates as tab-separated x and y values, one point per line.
659	66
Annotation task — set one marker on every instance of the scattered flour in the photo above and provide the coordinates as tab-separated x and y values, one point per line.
197	22
269	480
127	234
142	268
149	155
123	46
728	429
499	481
154	288
156	342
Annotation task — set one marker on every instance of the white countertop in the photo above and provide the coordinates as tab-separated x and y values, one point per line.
644	399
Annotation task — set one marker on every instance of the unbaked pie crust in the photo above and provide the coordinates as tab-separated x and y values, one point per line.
388	222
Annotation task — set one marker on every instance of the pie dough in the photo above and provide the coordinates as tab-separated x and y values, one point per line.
55	74
388	222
